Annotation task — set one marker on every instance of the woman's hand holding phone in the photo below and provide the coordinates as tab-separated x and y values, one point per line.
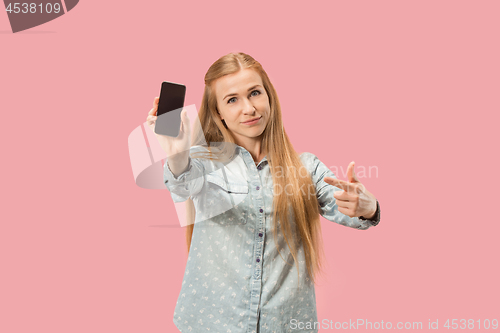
177	148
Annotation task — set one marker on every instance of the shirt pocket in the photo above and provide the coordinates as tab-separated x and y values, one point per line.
227	200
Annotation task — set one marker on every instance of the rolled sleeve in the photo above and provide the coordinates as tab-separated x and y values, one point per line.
324	192
188	183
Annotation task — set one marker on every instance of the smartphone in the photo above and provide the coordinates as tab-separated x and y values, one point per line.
169	108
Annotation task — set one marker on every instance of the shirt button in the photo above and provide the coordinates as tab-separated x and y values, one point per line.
258	188
260	234
261	210
258	259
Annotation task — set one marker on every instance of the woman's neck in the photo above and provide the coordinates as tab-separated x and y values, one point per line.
255	148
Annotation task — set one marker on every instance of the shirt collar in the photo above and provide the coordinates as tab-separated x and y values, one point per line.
242	150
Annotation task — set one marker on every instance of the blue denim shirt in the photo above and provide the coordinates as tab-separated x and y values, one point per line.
235	280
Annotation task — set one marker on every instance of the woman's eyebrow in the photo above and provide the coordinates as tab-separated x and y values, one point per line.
234	94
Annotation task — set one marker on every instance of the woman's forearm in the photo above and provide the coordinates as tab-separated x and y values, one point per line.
178	163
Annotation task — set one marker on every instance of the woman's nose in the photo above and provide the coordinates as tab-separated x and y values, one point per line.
248	107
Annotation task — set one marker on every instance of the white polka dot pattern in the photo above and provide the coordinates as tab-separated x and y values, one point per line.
235	280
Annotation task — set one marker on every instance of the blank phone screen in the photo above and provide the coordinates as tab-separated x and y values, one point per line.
169	108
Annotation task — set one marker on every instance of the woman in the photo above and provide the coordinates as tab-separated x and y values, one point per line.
255	247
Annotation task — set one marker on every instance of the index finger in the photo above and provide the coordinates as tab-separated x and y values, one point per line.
341	184
152	112
155	107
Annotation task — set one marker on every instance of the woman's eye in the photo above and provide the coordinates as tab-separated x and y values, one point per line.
255	91
229	101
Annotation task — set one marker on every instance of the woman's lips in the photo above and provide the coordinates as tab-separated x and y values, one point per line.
253	121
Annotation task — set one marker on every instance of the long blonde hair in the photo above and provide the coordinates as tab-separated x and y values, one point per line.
280	155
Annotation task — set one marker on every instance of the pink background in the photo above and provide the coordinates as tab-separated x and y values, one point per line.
409	87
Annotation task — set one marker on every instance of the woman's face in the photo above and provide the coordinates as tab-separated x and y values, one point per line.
241	97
